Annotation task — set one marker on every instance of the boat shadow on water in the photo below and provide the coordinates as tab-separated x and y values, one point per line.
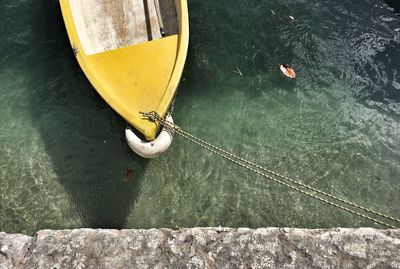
83	136
393	4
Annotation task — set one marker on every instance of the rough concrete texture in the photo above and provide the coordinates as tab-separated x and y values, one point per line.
203	248
12	249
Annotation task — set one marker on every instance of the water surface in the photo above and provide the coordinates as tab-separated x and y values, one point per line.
337	127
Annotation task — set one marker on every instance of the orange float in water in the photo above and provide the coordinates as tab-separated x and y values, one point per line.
288	71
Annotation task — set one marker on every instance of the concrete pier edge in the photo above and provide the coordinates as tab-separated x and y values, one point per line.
203	248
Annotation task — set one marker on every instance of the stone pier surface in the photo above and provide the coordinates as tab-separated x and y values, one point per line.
203	248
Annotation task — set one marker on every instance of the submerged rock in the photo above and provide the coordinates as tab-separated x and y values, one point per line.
203	248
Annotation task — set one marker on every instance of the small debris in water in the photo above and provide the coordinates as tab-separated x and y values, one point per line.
128	176
288	71
237	71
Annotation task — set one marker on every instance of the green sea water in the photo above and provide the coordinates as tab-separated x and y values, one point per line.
336	127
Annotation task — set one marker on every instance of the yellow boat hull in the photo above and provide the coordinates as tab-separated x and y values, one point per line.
136	78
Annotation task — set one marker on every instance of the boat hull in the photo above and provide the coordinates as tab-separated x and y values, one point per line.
131	78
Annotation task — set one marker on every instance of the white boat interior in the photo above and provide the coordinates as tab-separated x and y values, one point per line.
105	25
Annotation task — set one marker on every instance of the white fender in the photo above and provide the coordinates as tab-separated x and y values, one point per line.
153	148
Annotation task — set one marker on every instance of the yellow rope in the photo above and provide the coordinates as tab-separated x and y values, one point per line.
248	165
294	181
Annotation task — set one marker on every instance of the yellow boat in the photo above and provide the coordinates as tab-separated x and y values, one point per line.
132	51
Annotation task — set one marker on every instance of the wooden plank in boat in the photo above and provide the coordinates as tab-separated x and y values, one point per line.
104	25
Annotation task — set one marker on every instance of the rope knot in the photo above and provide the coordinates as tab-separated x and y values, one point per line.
152	115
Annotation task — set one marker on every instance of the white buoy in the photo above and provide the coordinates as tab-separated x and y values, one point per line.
153	148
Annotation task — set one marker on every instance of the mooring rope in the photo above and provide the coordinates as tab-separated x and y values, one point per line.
153	116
